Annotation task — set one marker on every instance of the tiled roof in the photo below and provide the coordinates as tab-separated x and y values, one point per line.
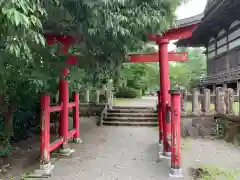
189	21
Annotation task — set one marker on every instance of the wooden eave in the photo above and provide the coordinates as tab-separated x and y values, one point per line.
221	18
211	5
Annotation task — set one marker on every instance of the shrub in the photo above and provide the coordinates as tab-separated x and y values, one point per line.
127	92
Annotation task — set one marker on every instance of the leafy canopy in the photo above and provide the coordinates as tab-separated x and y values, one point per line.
111	29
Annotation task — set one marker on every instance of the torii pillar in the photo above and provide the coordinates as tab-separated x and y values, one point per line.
162	41
164	95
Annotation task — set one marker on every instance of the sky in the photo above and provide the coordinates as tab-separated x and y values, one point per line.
193	7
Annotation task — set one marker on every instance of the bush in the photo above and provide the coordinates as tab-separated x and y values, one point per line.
127	93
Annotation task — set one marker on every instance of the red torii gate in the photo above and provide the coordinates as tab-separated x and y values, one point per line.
154	57
66	41
164	108
46	147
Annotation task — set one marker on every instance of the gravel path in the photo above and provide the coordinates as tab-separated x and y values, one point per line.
130	153
114	153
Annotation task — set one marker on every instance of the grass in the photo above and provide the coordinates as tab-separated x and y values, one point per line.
215	173
123	101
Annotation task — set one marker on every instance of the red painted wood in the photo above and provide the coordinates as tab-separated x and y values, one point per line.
66	42
45	129
176	130
62	39
164	87
64	113
175	33
160	123
154	57
56	108
55	145
76	116
71	133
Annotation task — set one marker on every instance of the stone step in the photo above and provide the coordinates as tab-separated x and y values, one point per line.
117	123
131	119
131	111
135	114
134	107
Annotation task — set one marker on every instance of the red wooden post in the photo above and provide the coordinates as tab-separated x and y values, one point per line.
64	115
76	118
164	86
46	167
169	87
175	170
61	127
160	123
45	130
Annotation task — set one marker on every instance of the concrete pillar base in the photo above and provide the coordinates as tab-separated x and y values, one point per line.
66	151
77	140
160	143
175	173
164	155
45	171
160	146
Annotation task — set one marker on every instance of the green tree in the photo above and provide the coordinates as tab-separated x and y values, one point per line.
112	29
188	74
109	30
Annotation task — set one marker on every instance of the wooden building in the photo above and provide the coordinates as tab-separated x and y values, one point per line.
219	33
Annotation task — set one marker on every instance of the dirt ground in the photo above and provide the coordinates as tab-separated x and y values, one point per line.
124	153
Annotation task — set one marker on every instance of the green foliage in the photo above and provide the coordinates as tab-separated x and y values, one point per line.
127	92
109	29
146	76
140	76
188	74
214	173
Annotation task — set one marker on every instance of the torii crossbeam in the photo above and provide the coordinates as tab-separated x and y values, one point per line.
154	57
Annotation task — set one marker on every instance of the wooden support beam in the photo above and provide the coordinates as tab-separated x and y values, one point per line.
154	57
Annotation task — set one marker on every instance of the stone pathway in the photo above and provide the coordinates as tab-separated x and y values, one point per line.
114	153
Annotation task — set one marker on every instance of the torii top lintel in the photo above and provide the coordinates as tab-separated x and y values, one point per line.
175	33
